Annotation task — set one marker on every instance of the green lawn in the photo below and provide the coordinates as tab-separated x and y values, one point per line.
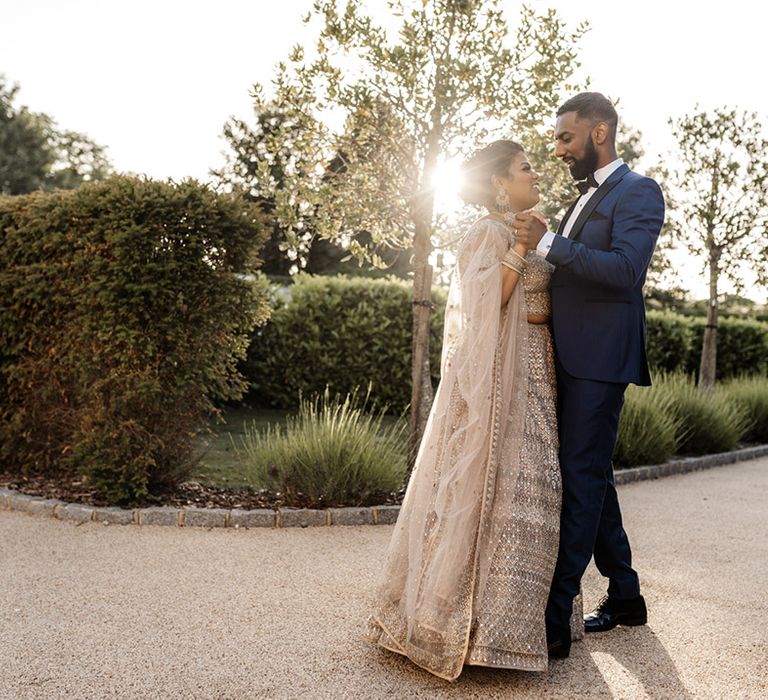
221	465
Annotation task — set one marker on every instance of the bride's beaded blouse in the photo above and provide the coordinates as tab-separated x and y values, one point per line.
536	284
536	276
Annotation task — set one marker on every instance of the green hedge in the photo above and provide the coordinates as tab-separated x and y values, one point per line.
344	332
341	333
674	344
122	322
670	341
742	347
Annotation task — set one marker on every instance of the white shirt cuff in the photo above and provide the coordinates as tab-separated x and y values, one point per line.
545	244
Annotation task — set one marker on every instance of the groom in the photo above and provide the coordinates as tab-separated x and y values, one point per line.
601	253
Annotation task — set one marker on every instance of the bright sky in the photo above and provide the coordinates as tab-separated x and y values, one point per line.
155	81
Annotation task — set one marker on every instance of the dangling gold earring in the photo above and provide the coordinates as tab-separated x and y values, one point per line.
502	201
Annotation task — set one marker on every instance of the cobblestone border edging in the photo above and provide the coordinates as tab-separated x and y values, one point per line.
305	517
689	464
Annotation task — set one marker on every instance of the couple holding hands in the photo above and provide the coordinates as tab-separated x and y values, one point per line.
512	492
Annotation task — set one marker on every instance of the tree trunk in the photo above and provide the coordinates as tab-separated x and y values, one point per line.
708	367
421	387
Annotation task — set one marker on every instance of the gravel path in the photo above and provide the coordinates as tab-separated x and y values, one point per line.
95	611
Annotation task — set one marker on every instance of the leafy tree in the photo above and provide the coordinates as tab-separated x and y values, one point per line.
34	154
26	156
721	210
629	144
664	289
441	78
249	153
727	305
78	160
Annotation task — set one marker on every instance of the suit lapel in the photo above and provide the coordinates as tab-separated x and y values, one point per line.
596	198
567	215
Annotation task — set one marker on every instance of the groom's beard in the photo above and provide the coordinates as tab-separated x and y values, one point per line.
586	165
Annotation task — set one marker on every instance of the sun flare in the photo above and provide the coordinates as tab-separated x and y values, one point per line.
447	182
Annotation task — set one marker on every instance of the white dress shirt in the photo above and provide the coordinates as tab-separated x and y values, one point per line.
601	175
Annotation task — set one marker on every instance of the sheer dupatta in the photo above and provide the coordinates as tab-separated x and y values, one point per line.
442	544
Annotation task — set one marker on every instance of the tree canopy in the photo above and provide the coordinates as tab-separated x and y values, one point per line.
36	154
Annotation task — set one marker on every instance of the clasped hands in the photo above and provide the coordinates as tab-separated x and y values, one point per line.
529	227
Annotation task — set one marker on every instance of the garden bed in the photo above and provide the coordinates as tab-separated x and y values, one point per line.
188	493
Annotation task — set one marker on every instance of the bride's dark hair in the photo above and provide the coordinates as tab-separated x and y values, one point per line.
493	159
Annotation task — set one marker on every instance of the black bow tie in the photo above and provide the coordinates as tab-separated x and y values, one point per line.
584	185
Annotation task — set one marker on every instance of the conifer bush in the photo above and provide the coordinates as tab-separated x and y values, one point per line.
124	315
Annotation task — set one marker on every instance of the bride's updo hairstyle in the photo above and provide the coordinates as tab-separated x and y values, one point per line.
493	159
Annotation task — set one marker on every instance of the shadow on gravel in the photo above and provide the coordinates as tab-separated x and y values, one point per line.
637	651
576	676
644	657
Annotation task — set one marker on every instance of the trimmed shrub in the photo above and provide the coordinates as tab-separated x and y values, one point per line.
742	347
751	393
674	344
339	333
649	428
123	319
334	452
344	332
670	341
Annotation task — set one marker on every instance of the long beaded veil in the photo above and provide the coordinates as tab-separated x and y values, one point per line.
437	562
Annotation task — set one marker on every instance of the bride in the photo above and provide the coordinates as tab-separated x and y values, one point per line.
473	551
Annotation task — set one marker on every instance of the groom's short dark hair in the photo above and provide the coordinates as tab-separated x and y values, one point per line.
592	105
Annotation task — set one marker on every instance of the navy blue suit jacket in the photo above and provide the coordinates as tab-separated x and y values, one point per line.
598	313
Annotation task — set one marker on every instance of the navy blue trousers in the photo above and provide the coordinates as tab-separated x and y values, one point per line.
590	520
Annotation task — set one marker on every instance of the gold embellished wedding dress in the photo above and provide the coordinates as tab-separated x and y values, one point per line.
470	562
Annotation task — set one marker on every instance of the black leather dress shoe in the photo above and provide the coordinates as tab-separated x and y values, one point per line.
558	642
611	612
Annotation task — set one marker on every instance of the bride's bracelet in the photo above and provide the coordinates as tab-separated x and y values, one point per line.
514	265
514	261
517	255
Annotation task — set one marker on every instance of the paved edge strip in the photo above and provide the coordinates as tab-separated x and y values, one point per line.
79	513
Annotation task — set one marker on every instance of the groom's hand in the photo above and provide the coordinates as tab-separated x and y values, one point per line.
530	228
